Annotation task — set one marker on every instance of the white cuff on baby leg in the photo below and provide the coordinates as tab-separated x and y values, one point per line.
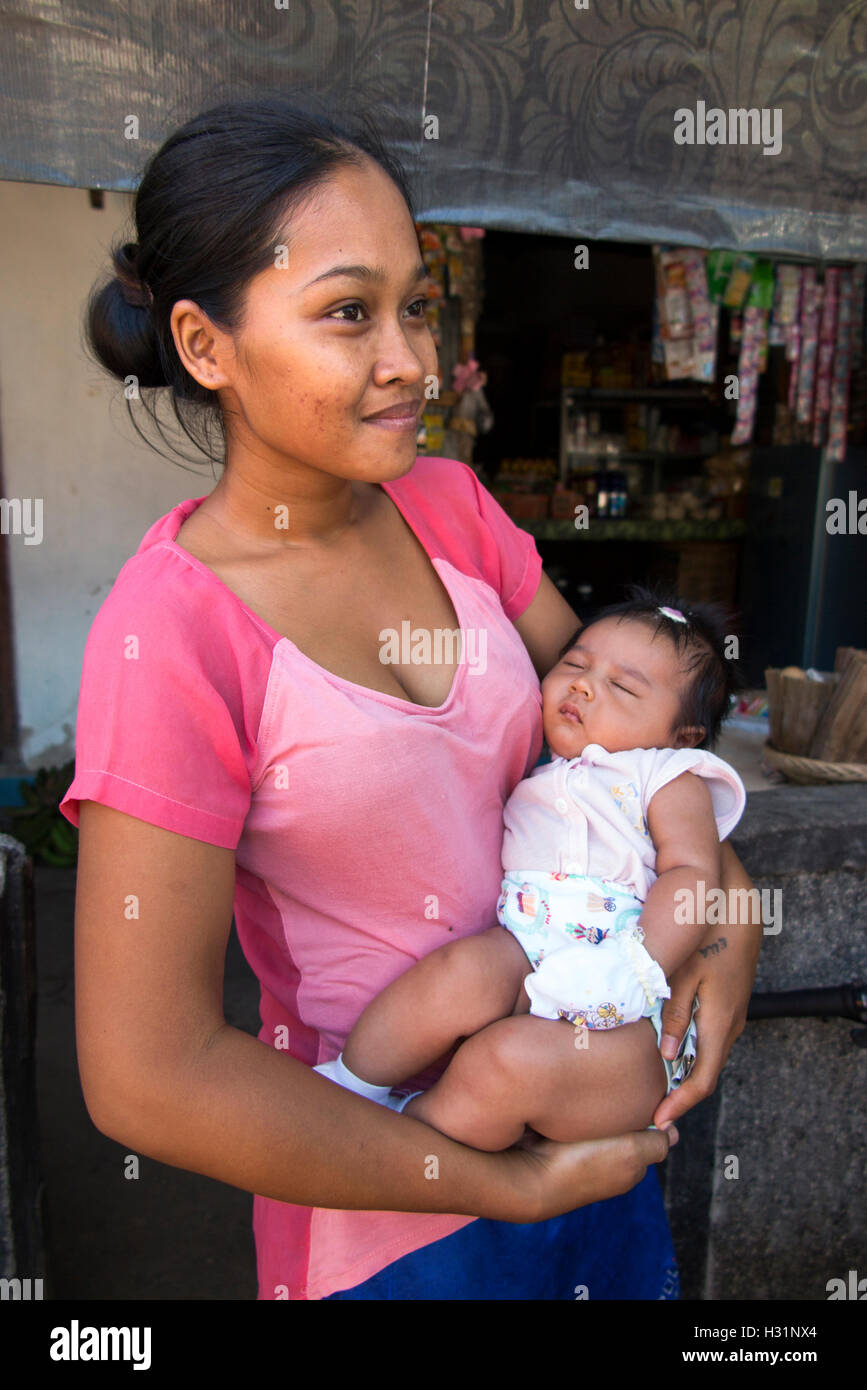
648	972
338	1071
399	1103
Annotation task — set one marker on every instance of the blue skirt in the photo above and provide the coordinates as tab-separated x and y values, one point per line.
618	1249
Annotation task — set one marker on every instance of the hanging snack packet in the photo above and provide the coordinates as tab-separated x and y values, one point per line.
675	318
754	335
705	316
728	277
674	312
827	337
859	280
793	340
787	285
839	405
810	304
761	296
739	282
719	268
777	332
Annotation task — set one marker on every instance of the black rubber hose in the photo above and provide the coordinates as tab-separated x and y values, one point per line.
841	1001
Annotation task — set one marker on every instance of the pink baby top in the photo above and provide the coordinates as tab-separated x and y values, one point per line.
367	829
588	815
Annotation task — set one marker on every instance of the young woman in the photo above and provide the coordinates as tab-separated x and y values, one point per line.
242	746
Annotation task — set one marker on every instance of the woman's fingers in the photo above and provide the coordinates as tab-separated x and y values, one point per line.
561	1177
722	986
715	1036
700	1083
676	1012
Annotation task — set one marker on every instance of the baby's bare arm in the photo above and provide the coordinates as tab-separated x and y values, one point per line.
449	994
681	822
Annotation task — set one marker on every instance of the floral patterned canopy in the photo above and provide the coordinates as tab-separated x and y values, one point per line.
555	116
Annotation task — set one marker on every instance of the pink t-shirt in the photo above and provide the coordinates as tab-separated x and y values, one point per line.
367	829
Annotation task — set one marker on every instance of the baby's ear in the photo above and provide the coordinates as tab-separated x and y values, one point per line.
689	736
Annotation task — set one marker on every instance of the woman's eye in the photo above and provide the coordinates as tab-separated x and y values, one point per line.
416	310
346	308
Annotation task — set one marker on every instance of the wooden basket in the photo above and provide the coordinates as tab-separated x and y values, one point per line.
795	709
825	721
812	770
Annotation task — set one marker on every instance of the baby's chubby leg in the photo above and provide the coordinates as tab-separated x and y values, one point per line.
528	1071
449	994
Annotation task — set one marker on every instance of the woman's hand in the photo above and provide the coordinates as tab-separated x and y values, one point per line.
551	1178
723	981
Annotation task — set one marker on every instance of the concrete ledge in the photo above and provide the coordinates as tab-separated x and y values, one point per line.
789	828
766	1190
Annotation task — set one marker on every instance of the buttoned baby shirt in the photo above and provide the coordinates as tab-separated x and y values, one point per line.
588	815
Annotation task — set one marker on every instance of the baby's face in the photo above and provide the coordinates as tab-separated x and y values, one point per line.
619	687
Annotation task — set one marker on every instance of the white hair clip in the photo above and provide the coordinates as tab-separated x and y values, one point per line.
673	613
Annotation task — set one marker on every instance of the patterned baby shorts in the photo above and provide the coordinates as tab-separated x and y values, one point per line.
549	914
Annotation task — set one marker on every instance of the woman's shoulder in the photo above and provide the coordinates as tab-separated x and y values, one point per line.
433	480
162	584
166	615
458	520
173	683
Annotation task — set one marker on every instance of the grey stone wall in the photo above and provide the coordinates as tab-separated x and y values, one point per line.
21	1240
790	1104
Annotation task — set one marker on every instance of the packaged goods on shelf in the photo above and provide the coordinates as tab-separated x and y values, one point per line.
728	277
686	319
523	487
564	502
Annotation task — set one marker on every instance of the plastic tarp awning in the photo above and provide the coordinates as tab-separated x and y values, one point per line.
570	117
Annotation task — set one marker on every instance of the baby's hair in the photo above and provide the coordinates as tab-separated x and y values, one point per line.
702	639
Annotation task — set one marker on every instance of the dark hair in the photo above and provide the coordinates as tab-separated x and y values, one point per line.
208	214
702	640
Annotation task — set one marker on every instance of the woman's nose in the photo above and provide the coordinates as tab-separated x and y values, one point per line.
397	357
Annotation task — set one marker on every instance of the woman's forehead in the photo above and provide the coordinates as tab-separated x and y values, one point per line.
356	215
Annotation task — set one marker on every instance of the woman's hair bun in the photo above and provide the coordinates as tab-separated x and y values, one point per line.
119	322
135	291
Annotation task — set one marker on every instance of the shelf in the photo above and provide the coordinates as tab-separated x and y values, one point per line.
634	529
692	394
645	454
573	398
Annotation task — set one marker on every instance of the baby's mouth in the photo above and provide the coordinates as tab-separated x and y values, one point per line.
571	712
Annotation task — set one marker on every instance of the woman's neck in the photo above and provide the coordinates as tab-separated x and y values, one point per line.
280	511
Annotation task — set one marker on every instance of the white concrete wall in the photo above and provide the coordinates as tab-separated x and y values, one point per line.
67	440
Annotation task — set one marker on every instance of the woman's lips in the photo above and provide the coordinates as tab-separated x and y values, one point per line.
399	422
397	417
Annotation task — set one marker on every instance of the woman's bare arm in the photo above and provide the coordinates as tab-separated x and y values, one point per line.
546	625
723	980
164	1074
